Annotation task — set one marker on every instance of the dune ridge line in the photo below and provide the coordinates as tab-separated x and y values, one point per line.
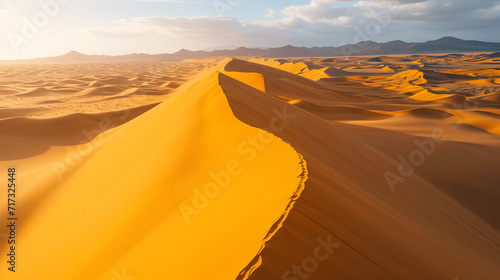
257	261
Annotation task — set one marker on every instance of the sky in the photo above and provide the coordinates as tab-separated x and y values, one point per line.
41	28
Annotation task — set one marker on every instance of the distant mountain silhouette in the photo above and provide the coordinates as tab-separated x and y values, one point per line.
443	45
73	55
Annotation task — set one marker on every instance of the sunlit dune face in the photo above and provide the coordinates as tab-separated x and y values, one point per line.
251	165
238	160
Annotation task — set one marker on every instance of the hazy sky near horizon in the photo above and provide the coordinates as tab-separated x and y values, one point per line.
39	28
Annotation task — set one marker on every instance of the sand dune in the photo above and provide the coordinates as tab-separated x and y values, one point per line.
262	169
314	210
167	211
36	135
313	201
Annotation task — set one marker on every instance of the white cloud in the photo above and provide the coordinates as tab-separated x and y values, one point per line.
112	32
320	23
167	1
317	9
270	13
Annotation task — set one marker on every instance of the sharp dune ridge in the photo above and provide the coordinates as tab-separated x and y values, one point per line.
248	169
170	215
257	261
277	260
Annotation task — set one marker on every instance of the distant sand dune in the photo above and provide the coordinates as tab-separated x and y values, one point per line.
34	136
328	215
260	169
256	194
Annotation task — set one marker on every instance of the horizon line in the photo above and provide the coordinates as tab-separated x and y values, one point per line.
210	50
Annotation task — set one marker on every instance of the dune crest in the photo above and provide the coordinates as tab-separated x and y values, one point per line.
197	170
347	200
181	168
299	68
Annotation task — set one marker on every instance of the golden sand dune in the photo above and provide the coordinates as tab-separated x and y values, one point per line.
263	169
36	135
414	77
348	200
299	68
163	211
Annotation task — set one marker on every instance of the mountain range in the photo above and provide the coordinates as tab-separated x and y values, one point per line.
443	45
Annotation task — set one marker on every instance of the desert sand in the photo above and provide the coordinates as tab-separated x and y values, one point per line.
250	168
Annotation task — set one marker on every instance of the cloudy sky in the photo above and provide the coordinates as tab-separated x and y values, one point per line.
39	28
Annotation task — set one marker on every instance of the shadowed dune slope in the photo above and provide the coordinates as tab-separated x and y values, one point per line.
191	193
29	137
411	231
261	171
